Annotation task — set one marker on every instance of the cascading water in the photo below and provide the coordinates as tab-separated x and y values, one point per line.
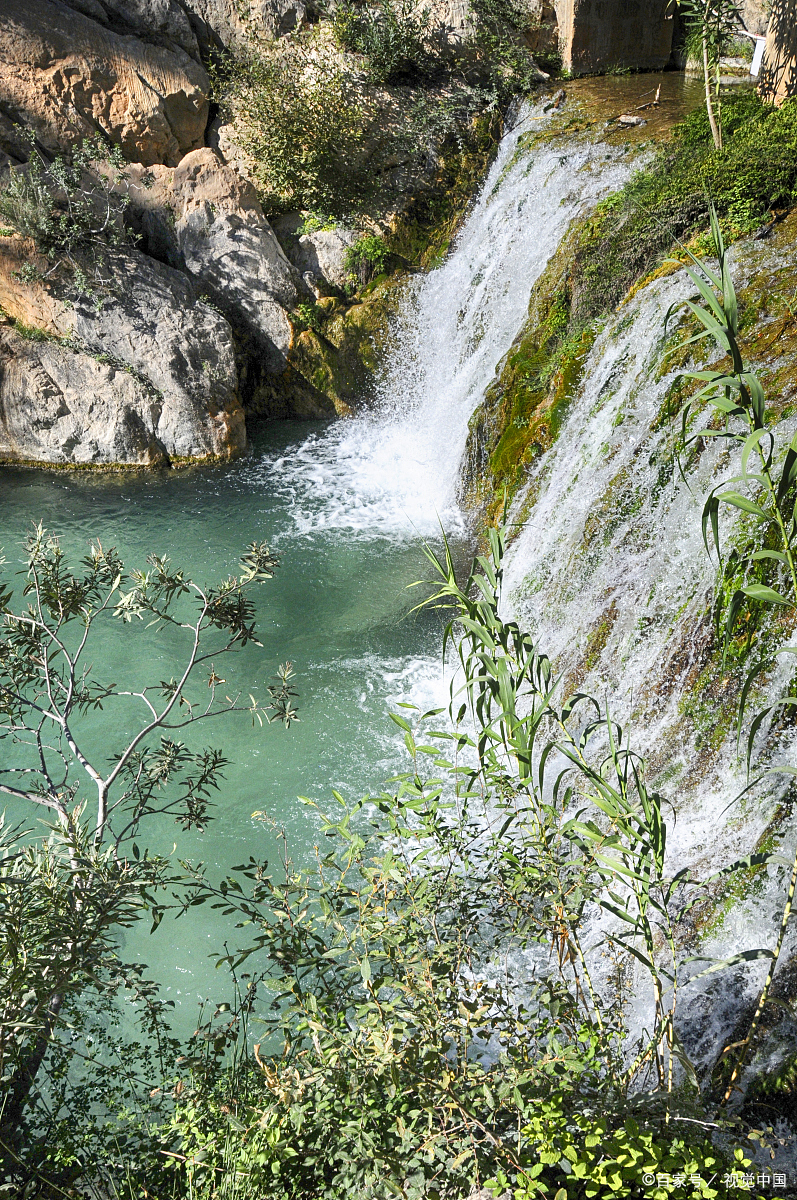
395	470
611	572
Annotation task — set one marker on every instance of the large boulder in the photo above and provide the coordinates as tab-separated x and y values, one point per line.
60	406
67	77
321	255
228	22
149	322
204	219
164	22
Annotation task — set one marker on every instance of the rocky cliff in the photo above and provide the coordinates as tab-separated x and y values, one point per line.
206	313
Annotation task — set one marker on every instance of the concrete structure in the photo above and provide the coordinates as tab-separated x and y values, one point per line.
778	76
596	35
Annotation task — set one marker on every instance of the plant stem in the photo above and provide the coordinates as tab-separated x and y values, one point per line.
715	132
762	999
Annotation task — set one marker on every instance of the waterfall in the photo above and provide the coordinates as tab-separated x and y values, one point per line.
394	470
611	572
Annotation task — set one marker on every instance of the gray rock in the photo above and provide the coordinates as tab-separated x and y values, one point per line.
321	255
227	22
206	220
183	348
158	21
151	323
59	406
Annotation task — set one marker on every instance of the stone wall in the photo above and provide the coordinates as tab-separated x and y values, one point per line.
778	77
596	35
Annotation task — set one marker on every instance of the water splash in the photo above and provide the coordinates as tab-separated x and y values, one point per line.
393	471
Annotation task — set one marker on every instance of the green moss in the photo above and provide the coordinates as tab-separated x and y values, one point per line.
422	234
623	242
523	410
755	172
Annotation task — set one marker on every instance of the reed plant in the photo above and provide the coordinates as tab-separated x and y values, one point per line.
765	491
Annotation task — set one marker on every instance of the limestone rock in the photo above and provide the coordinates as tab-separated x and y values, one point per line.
163	22
320	254
226	22
203	218
778	76
66	76
151	324
59	406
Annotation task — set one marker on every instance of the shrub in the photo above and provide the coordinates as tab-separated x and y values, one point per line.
368	257
507	66
301	122
70	209
393	35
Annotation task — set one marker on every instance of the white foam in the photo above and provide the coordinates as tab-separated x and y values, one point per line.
393	471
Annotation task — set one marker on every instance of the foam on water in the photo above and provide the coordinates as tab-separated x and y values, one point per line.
393	471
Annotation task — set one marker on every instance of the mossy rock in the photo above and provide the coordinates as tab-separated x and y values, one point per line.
421	235
523	409
338	360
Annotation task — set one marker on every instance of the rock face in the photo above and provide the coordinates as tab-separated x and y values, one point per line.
59	406
319	256
597	34
163	22
68	77
226	22
204	219
151	325
778	76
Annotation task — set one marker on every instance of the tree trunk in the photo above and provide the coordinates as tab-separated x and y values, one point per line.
25	1075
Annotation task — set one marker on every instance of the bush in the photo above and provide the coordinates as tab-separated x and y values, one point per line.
507	66
368	257
393	35
70	209
575	1156
301	122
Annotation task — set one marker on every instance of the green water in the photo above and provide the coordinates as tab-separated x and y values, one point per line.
338	609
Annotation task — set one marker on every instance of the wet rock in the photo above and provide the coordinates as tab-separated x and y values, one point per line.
59	406
147	320
67	77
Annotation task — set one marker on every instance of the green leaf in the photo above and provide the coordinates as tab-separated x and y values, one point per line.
738	501
758	591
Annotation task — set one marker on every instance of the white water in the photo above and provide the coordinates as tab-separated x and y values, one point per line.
613	549
614	536
395	470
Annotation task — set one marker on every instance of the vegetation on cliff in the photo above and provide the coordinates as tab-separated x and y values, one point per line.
751	181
